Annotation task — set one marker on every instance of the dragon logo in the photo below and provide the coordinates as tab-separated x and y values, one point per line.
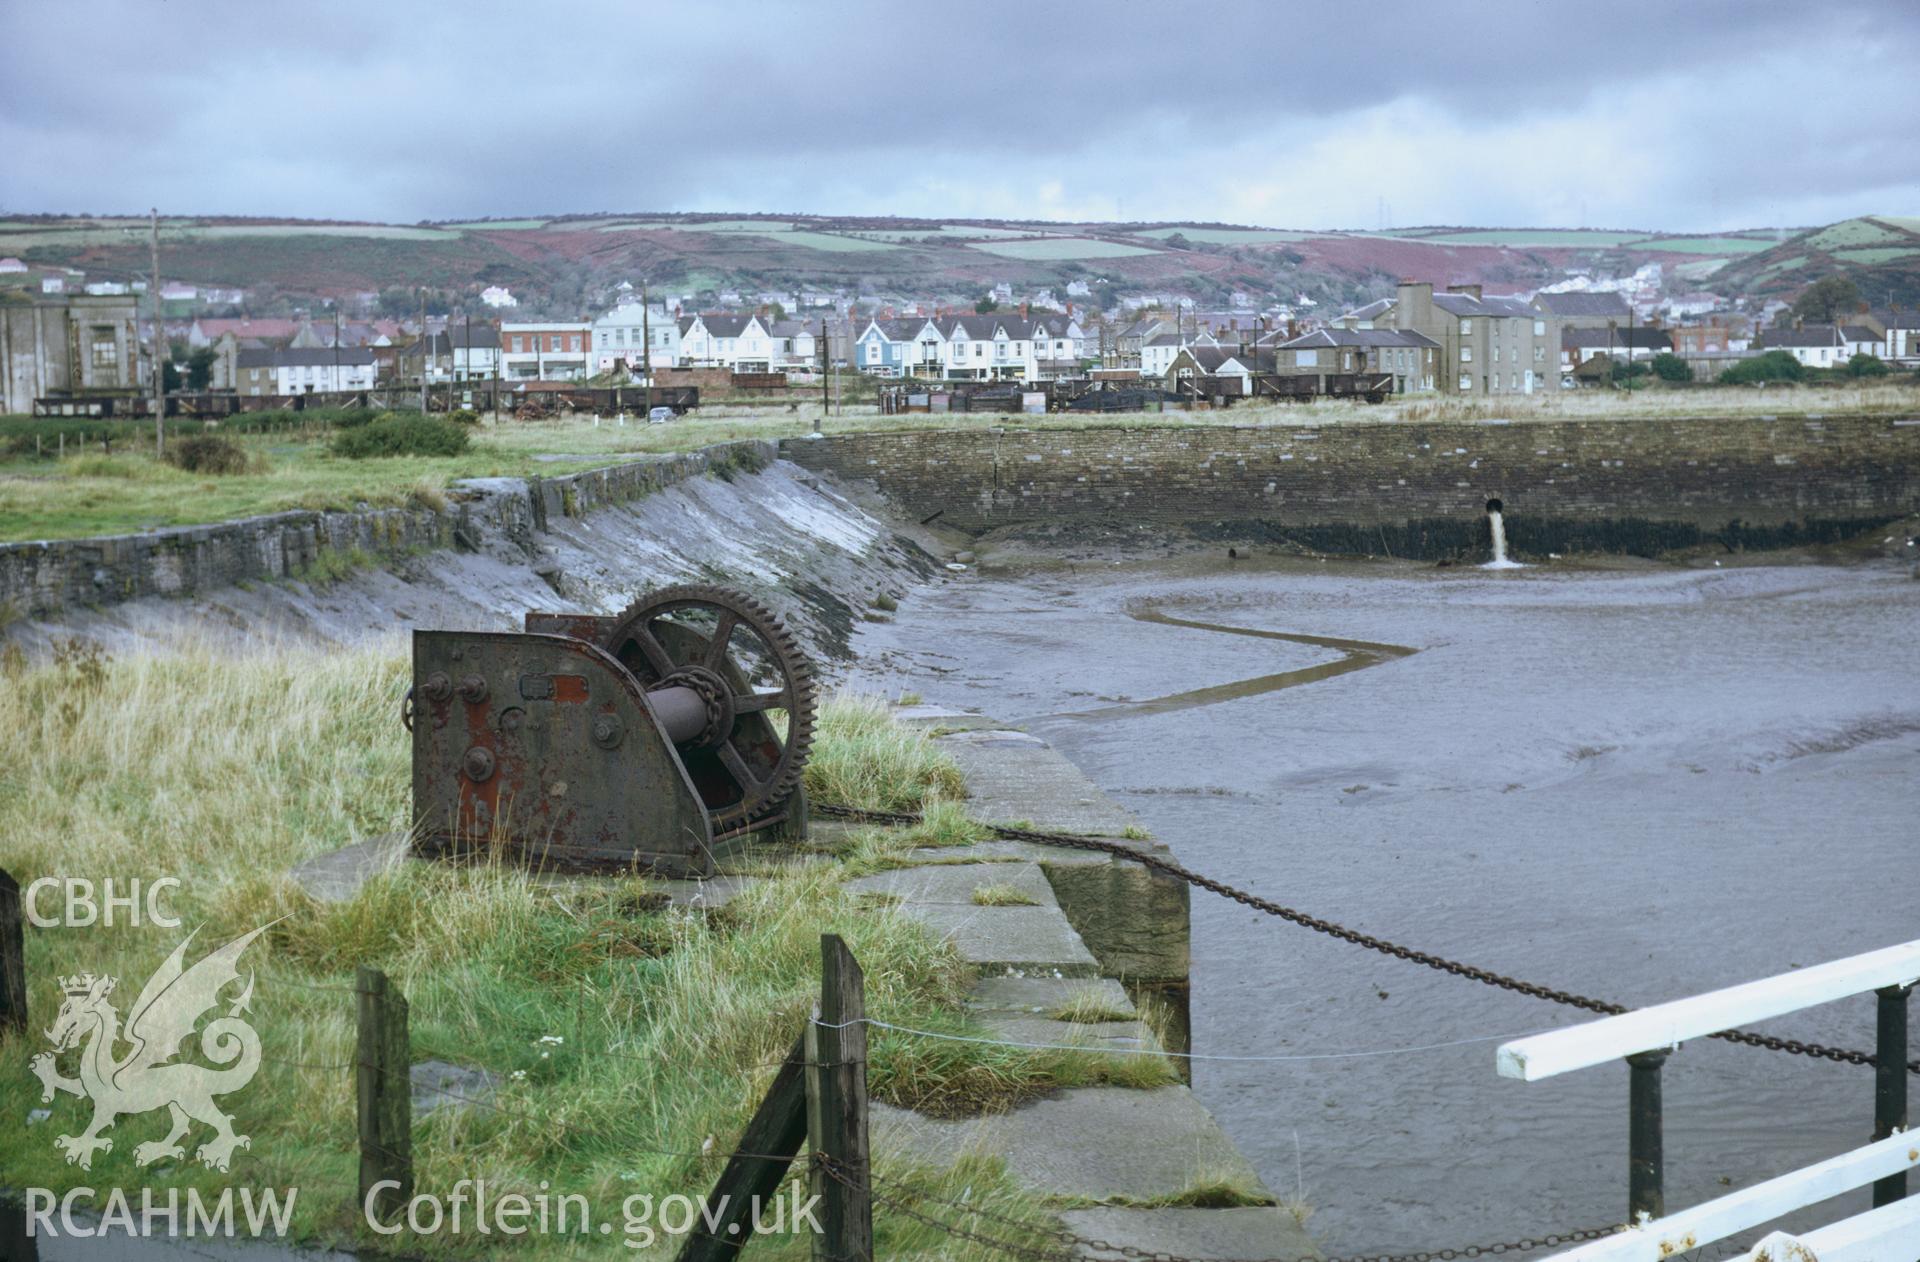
163	1017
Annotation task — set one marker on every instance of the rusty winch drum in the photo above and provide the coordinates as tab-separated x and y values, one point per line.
658	739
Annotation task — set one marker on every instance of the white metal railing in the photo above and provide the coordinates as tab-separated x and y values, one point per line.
1645	1038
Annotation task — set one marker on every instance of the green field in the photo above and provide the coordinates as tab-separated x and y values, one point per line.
1061	249
1704	245
497	225
1878	254
763	226
1574	238
1852	232
1229	236
1784	265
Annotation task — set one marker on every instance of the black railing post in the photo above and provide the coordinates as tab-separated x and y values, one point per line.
13	958
1646	1158
1890	1082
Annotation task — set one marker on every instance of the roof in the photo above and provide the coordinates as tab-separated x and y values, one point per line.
1211	359
484	337
1372	311
305	357
1582	304
1466	306
1807	335
1858	333
270	330
1163	339
1359	337
1599	339
721	324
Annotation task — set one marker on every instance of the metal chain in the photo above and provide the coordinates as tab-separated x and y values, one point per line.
1472	972
1071	1241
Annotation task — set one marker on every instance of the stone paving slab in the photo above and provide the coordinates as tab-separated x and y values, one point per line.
337	876
956	882
1005	851
1023	938
1251	1232
943	717
1097	1142
1044	994
1014	776
1121	1036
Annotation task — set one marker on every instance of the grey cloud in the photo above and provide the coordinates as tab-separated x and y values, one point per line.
453	111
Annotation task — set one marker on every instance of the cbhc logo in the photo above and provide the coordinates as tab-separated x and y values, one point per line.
75	896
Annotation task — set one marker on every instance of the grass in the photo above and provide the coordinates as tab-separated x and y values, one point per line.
1229	236
1061	249
629	1040
1003	895
1089	1007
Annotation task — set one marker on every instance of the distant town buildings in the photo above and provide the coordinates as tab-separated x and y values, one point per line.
304	370
498	296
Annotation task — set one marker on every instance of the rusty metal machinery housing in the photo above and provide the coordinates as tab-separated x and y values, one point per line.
657	739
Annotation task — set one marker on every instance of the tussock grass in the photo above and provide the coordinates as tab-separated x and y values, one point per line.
1003	895
864	758
629	1040
1089	1008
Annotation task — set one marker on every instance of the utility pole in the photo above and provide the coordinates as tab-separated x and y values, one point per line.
336	344
426	351
159	340
826	399
646	346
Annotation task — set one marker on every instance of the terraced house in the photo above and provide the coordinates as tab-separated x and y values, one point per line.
739	343
1488	346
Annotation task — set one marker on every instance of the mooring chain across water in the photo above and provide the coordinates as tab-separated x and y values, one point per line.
1069	1243
1568	998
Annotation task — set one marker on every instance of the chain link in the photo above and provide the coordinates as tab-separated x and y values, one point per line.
1332	929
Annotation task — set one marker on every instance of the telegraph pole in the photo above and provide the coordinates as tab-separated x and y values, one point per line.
426	351
646	346
826	386
159	340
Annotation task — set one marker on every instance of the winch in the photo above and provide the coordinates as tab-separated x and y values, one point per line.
657	739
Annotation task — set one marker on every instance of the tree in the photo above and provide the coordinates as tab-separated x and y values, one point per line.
777	310
1670	367
985	306
1865	365
200	368
1772	366
1827	297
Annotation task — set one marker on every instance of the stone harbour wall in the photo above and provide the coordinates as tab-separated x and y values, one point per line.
1361	476
41	578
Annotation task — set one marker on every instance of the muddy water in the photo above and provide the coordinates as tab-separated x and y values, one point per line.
1636	785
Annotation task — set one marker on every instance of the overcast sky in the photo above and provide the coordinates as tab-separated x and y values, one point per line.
1679	115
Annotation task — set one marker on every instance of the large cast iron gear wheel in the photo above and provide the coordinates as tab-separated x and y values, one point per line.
740	765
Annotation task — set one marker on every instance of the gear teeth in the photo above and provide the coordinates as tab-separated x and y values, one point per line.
796	675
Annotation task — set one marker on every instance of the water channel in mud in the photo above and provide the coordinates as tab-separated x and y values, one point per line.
1635	784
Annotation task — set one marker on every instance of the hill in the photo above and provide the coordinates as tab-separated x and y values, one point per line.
1879	253
564	264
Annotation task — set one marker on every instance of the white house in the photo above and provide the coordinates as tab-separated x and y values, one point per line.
472	353
498	296
739	343
905	347
308	370
635	336
989	348
1815	345
1158	352
1860	339
545	351
1060	345
9	267
796	345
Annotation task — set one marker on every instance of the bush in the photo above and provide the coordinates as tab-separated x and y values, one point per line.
1864	365
464	416
1772	366
1670	367
206	453
391	435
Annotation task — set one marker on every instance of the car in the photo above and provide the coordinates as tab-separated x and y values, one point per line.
660	416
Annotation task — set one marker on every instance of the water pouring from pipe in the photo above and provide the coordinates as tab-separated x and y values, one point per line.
1497	526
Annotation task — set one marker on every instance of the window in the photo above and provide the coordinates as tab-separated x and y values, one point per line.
1466	328
1496	354
1539	328
1466	354
1539	353
106	351
1466	381
519	344
1306	359
979	350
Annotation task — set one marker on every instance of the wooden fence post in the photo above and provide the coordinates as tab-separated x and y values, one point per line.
384	1096
13	958
753	1175
837	1108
